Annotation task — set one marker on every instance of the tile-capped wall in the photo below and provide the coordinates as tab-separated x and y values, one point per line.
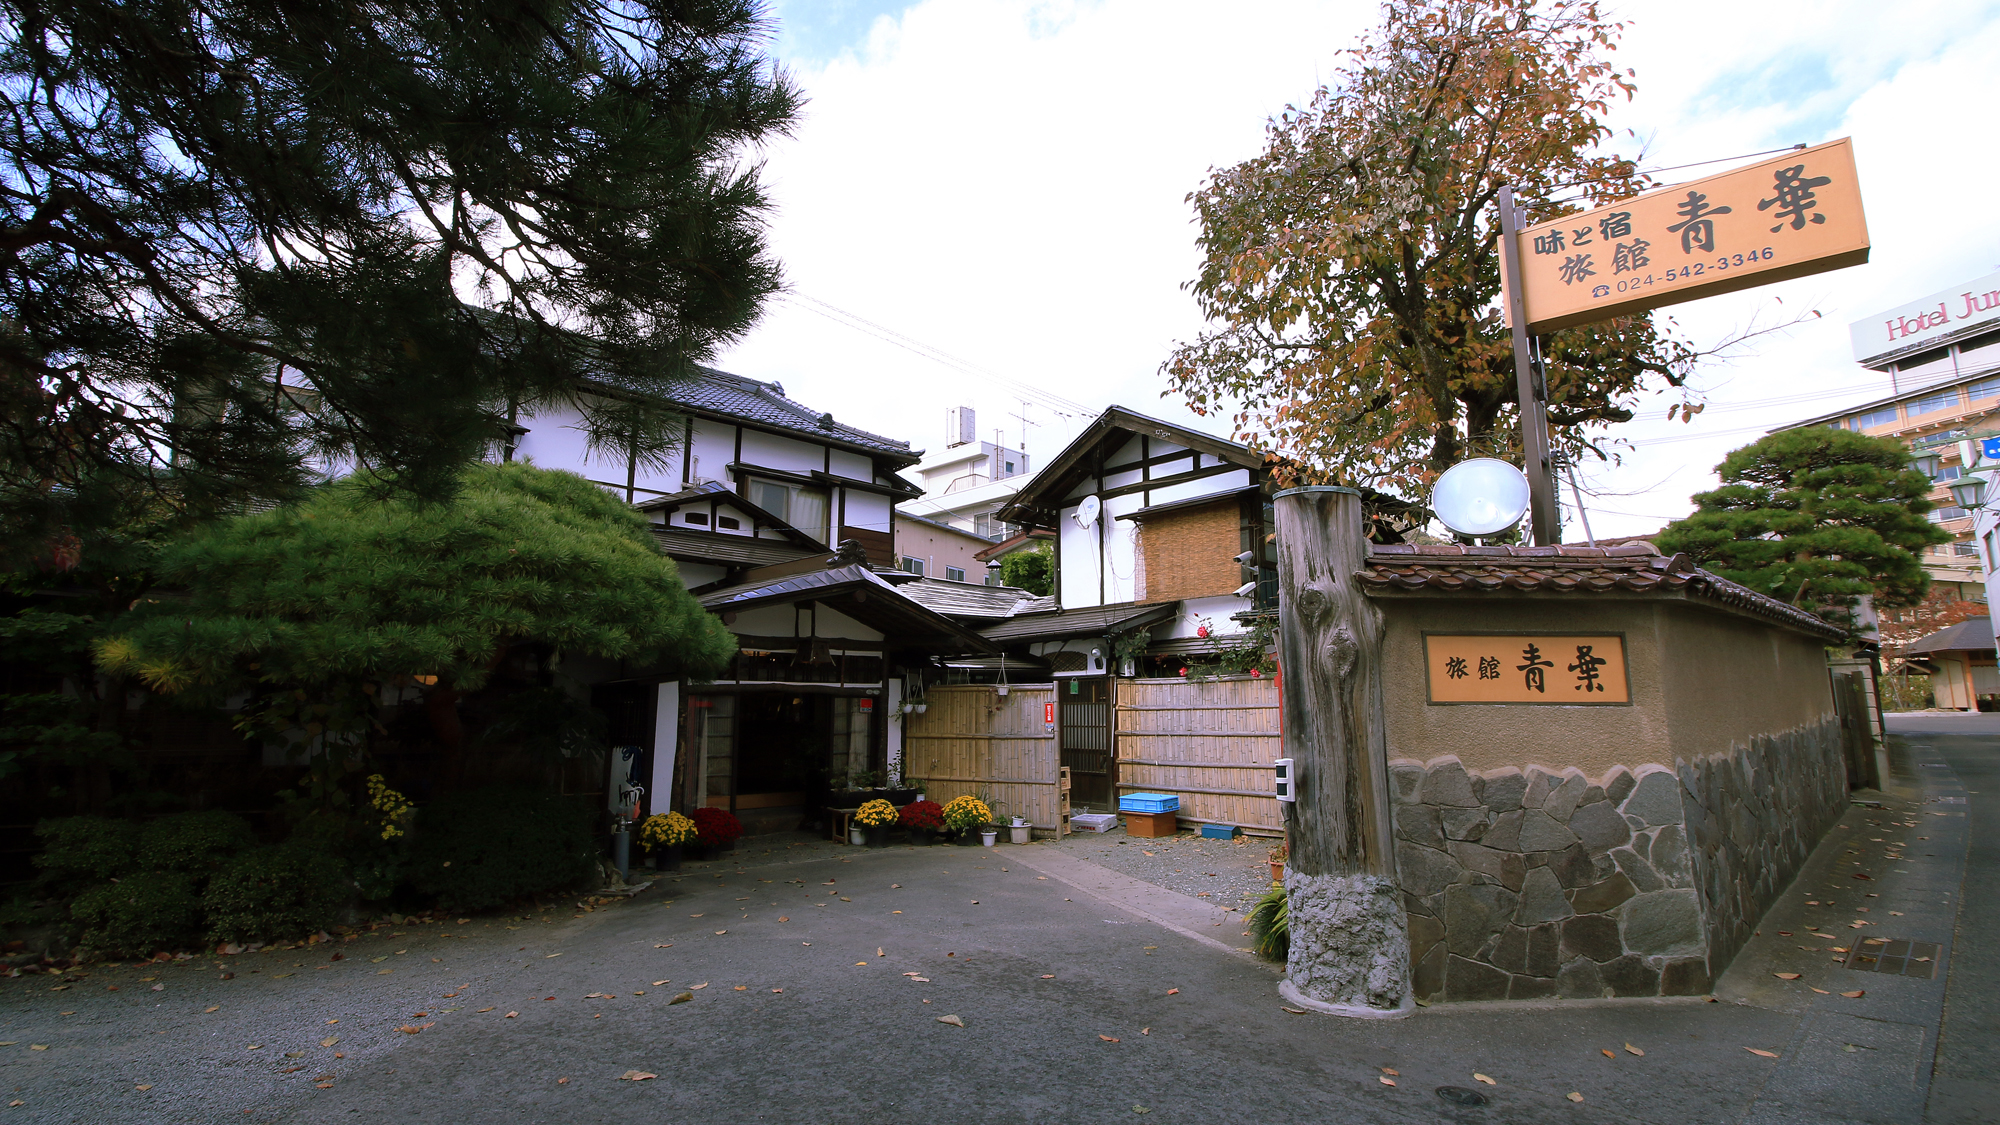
1534	884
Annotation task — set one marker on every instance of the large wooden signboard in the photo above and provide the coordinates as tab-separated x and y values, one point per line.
1785	217
1533	668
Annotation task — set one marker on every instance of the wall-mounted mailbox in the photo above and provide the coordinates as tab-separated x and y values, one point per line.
1283	769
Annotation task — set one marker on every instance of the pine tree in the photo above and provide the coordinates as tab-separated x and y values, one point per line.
1815	517
238	236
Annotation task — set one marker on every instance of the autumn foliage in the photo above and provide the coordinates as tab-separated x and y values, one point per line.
1351	271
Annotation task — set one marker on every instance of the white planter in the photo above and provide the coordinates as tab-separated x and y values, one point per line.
856	834
1020	832
988	837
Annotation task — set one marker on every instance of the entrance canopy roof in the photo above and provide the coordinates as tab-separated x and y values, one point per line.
1974	634
858	593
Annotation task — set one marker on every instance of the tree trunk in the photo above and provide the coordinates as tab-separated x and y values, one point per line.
1349	939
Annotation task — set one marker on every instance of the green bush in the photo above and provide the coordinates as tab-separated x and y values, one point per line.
1271	925
196	844
84	850
140	914
276	893
487	846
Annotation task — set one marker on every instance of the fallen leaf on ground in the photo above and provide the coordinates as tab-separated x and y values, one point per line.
1761	1053
413	1028
1856	994
1606	1053
788	919
879	953
719	933
147	1086
332	1039
667	945
1786	976
1145	1031
1574	1096
777	990
1390	1070
1294	1011
510	1015
697	987
1048	976
251	1047
636	1076
1385	1080
1631	1050
215	1008
483	1011
681	998
658	983
920	980
1108	1039
1821	991
562	1081
1482	1078
742	988
1173	992
952	1020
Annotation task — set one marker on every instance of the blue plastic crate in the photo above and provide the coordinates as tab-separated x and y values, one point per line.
1148	802
1218	831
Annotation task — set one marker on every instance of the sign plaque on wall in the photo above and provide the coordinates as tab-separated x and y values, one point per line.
1789	216
1530	668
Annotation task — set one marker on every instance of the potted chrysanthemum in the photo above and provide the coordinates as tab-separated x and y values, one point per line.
967	816
923	819
875	817
665	834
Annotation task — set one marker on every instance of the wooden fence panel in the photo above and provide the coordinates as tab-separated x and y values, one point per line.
972	740
1209	741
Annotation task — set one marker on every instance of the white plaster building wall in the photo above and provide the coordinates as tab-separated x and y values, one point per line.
1207	486
870	511
1216	613
714	448
1121	548
833	623
853	466
1081	562
787	454
556	439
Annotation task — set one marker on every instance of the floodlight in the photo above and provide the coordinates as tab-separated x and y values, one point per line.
1480	497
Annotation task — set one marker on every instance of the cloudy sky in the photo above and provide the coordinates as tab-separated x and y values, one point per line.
985	204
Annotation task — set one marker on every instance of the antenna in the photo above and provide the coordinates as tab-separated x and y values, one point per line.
1022	414
1087	511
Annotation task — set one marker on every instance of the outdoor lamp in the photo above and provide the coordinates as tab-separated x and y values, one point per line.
1969	491
1925	463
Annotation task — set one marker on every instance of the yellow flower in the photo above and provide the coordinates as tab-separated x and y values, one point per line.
395	809
877	813
966	812
665	830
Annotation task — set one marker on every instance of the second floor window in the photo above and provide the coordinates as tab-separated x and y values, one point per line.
802	507
914	566
954	574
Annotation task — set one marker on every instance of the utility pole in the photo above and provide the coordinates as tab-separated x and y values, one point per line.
1022	414
1530	383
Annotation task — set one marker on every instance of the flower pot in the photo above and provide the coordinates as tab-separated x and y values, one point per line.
1020	832
923	837
1277	871
877	835
966	838
667	858
857	834
988	837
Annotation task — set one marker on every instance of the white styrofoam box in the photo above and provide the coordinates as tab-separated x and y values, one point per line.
1095	822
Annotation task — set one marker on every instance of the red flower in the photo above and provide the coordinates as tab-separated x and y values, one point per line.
921	814
1184	671
1255	673
1201	631
715	827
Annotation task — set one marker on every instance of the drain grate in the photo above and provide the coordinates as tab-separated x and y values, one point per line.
1896	957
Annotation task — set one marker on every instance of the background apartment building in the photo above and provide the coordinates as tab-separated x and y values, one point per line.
965	485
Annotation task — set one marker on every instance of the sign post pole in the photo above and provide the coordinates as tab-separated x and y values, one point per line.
1528	383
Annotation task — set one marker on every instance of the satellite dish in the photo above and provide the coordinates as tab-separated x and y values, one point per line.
1480	497
1088	510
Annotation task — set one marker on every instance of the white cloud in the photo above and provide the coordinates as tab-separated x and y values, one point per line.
1005	180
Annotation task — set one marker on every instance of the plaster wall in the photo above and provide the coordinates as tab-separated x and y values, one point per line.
787	454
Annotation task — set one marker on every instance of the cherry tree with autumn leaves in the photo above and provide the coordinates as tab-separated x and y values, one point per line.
1351	275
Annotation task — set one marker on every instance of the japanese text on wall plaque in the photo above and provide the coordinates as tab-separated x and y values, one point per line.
1788	216
1530	668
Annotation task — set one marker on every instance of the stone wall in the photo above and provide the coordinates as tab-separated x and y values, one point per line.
1537	883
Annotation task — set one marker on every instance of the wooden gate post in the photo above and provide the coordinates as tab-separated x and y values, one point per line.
1350	949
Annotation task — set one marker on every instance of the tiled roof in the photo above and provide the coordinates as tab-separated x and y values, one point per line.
863	596
1091	621
1635	568
722	393
728	550
1974	634
966	601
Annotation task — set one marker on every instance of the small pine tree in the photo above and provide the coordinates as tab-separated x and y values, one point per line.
1815	517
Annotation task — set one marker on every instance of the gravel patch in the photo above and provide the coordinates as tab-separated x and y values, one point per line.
1229	873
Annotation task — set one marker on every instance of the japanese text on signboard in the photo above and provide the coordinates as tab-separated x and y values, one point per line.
1531	668
1793	215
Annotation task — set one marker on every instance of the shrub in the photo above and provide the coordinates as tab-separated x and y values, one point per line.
486	846
275	893
716	828
140	915
195	844
85	849
921	814
1271	925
